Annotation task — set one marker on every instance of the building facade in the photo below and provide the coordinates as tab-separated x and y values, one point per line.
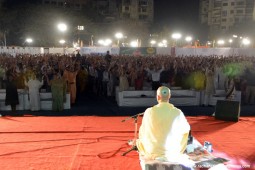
224	15
109	9
76	4
139	10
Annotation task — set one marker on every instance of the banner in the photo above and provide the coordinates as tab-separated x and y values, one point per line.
140	51
99	50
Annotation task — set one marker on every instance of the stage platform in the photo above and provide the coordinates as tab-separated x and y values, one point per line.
97	143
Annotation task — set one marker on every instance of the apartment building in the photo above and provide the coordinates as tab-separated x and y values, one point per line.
107	8
140	10
224	15
76	4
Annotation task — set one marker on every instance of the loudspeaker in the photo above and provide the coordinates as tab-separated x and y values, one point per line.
227	110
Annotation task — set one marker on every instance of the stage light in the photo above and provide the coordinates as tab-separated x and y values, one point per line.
29	40
153	42
246	41
62	42
62	27
220	42
176	36
134	44
188	38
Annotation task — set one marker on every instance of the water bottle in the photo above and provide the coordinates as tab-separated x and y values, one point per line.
208	146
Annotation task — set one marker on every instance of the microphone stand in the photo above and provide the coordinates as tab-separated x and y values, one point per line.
132	142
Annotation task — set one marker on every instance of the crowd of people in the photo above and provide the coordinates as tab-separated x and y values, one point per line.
100	74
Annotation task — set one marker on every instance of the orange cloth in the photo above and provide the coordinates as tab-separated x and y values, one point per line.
70	77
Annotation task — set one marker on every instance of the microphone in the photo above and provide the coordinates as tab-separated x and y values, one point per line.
139	114
135	116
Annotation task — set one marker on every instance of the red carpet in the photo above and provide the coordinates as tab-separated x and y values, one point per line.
95	143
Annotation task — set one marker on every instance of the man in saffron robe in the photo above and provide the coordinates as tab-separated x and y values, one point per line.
70	77
164	130
82	80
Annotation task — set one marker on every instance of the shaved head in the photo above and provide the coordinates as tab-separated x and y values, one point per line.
163	94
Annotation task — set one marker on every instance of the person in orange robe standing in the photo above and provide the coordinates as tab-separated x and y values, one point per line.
70	77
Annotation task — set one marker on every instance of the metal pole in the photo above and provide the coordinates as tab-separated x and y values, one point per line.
4	38
91	39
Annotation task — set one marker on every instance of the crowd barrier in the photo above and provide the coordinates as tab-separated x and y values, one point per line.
174	51
132	97
2	100
147	97
179	97
24	104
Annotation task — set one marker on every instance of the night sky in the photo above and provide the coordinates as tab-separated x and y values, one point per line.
180	15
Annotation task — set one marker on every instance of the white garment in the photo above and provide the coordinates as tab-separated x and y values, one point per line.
34	95
155	75
105	76
162	131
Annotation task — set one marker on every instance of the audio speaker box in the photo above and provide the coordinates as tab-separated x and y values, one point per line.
227	110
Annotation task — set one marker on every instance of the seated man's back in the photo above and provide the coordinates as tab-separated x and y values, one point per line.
164	129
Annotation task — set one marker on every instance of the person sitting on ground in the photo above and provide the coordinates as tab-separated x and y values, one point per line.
164	130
